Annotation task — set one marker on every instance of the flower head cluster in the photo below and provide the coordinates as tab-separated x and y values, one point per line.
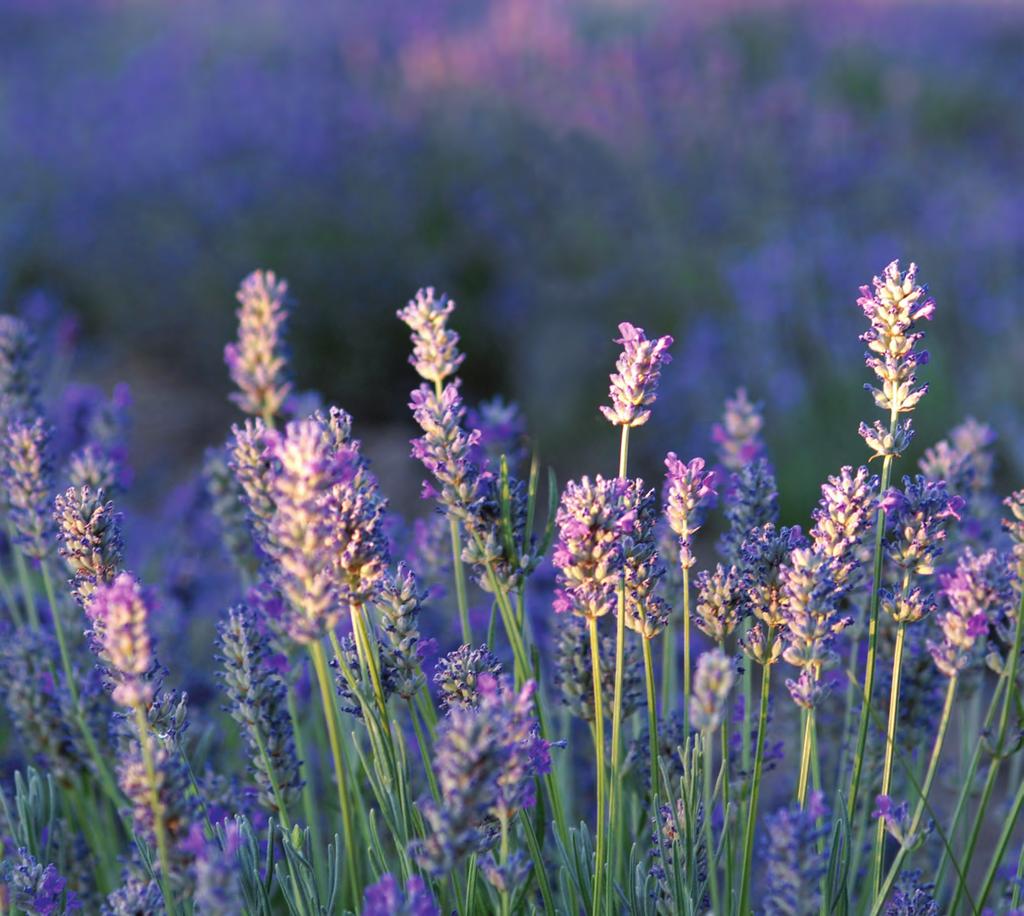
307	467
217	869
90	536
486	758
26	474
18	390
646	611
911	897
689	489
457	675
594	518
719	602
250	463
634	385
257	360
386	898
795	866
119	612
256	701
811	617
893	307
399	602
435	347
844	514
751	502
738	435
712	681
136	895
36	888
966	463
975	593
896	819
917	518
574	671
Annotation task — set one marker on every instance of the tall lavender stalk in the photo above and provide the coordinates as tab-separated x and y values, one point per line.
632	391
893	307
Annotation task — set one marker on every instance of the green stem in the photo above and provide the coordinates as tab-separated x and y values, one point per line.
726	831
506	904
686	643
652	726
599	863
615	789
316	651
915	823
805	757
25	580
156	806
890	745
308	806
755	786
869	670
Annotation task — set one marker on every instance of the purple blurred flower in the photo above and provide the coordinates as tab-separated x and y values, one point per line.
385	898
712	681
119	612
26	472
738	435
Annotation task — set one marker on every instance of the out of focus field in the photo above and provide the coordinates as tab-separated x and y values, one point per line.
728	173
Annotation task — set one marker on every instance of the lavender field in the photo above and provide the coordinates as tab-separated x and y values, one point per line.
532	456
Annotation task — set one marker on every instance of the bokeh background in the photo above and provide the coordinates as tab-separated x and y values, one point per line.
727	171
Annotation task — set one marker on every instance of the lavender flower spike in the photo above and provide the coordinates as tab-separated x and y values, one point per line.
634	385
120	616
26	473
689	490
715	675
18	390
90	536
257	360
738	436
385	898
435	348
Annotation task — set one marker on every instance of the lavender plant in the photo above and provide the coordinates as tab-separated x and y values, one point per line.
456	783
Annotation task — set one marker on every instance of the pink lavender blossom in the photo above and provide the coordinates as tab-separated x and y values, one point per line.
738	434
120	612
689	490
435	347
842	519
257	360
712	681
90	536
634	384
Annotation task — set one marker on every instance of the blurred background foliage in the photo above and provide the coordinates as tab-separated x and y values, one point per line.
727	172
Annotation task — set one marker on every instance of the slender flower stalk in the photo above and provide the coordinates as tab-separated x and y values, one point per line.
893	307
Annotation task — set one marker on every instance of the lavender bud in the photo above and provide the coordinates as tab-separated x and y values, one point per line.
18	389
136	896
90	536
119	612
634	385
228	504
457	675
91	466
810	611
37	889
911	897
883	443
738	436
27	478
250	463
893	307
844	515
712	681
752	502
689	490
399	604
717	611
257	361
916	521
574	669
435	348
256	701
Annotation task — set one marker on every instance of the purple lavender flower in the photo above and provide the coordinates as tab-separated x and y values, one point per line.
217	871
487	759
228	504
634	385
435	348
18	389
250	461
592	519
457	675
93	432
719	602
90	536
896	819
712	681
917	518
844	515
385	898
1015	526
794	866
893	308
574	668
810	613
646	612
964	460
399	602
257	360
752	501
975	593
306	468
911	897
26	474
119	612
738	435
37	889
136	895
689	490
256	701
